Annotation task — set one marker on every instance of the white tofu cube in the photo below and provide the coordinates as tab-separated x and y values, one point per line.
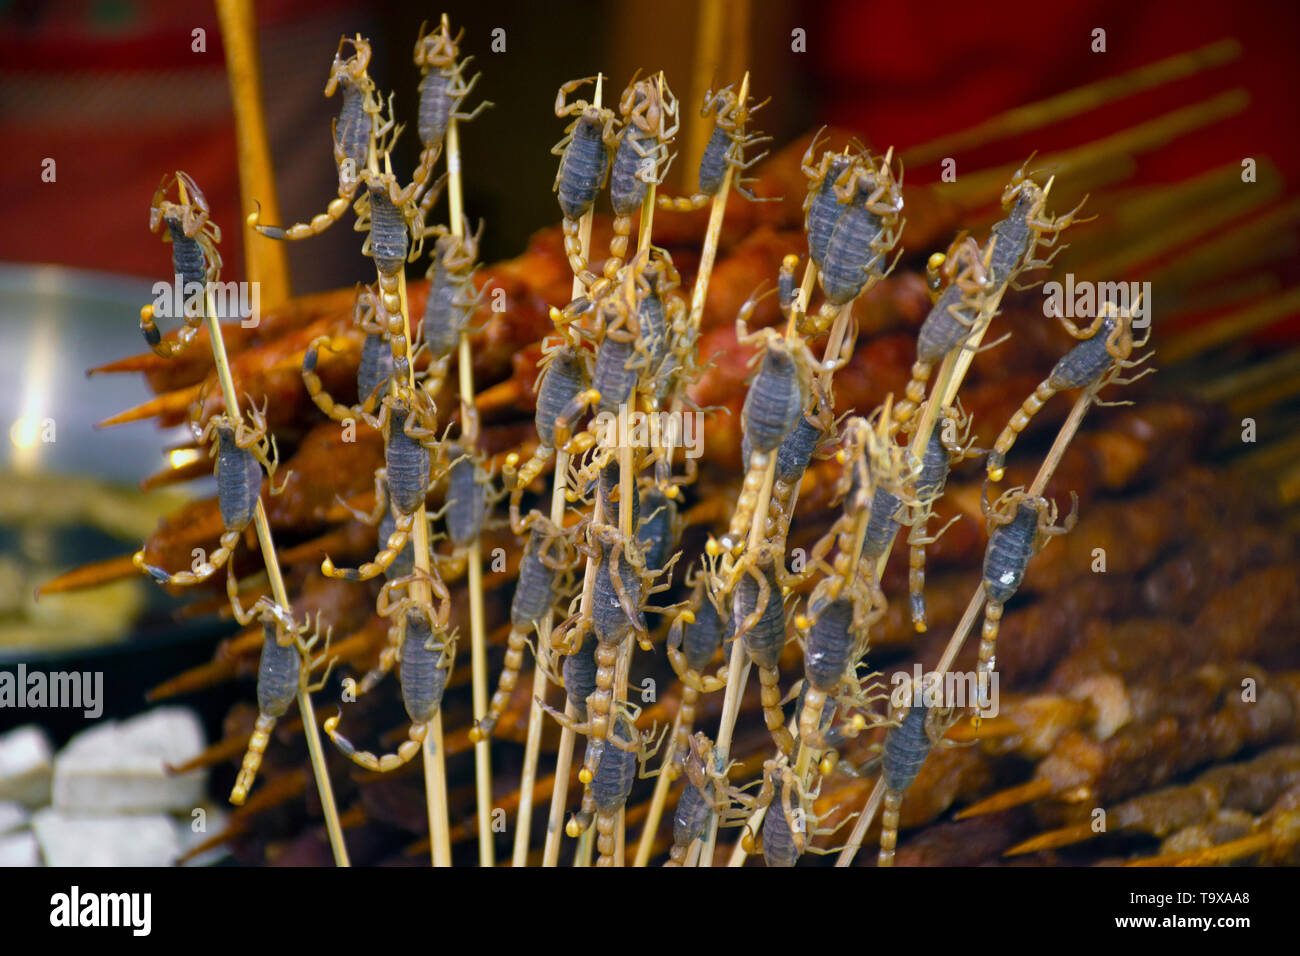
106	841
118	767
13	816
26	759
20	849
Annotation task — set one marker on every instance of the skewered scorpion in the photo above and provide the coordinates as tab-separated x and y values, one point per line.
694	638
404	418
1020	525
917	728
617	611
424	661
563	393
356	129
878	492
823	204
373	372
442	90
537	587
391	220
758	608
835	631
1097	361
584	165
773	407
725	149
195	259
785	834
241	453
280	676
627	346
660	528
938	458
1017	237
864	234
616	769
466	505
801	444
953	318
451	302
706	792
649	112
662	322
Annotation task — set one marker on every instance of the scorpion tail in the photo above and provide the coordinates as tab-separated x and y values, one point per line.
383	560
252	759
388	762
515	645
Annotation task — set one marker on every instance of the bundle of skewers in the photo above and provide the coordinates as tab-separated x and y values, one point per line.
1111	663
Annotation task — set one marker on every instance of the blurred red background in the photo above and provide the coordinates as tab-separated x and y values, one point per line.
114	92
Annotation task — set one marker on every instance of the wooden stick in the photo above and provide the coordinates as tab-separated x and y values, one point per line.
627	468
435	773
582	855
968	619
474	559
266	261
1236	325
568	739
738	665
435	788
278	591
708	63
533	741
710	18
1142	138
709	251
563	770
1073	102
863	824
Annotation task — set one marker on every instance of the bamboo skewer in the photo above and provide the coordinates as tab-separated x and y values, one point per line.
1142	138
435	770
627	483
952	372
739	664
582	856
278	592
474	560
568	738
963	629
738	667
1036	115
266	261
533	741
833	346
1231	327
